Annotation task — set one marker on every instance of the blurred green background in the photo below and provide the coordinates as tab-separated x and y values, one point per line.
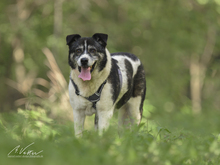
177	41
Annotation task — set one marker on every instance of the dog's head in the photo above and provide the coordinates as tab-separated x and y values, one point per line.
87	53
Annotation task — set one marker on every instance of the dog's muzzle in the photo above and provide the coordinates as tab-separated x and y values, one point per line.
85	70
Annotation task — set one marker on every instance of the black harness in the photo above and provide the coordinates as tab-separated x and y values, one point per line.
93	98
96	96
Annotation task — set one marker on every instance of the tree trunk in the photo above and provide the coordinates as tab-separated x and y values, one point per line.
195	83
58	19
198	67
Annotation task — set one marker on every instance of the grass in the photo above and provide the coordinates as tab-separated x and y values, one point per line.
164	139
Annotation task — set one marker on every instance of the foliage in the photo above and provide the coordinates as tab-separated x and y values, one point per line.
149	143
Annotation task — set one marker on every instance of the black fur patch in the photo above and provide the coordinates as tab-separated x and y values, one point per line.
71	62
139	88
142	101
103	62
140	83
113	79
128	94
129	71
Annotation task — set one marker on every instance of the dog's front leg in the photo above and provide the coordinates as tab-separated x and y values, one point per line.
104	117
79	118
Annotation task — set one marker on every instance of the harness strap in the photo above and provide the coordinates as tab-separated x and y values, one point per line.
96	96
93	98
75	86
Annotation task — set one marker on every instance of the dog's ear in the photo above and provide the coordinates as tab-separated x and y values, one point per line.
72	38
101	38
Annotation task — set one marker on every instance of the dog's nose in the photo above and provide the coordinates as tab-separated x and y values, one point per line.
84	61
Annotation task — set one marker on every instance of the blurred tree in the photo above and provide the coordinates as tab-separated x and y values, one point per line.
177	41
57	25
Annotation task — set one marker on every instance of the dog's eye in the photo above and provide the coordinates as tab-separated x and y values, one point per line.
78	51
92	50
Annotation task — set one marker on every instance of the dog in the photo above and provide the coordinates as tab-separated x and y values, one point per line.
101	82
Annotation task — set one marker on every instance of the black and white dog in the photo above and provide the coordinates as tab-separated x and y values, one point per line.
101	82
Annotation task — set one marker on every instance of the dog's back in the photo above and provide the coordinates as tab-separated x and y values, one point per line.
132	95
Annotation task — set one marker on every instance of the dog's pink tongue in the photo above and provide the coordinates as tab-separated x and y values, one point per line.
85	74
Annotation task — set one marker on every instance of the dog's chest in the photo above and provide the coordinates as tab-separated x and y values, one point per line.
89	110
81	103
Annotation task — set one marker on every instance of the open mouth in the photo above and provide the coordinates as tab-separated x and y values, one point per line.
85	72
91	68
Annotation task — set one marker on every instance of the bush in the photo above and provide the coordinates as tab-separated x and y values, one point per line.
149	143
